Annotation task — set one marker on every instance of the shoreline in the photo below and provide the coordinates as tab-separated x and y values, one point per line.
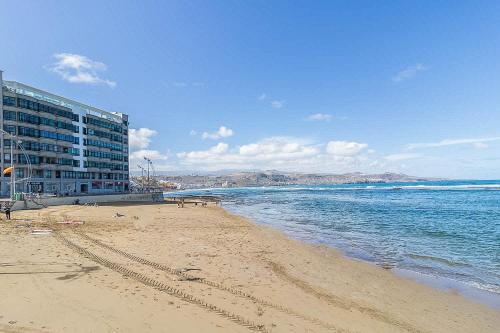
312	281
483	296
437	267
474	293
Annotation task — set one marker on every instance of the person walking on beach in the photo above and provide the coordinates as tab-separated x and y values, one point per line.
7	212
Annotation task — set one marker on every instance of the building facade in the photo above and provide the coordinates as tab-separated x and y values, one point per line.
63	146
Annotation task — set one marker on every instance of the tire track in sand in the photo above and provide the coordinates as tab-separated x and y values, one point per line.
192	278
160	286
340	302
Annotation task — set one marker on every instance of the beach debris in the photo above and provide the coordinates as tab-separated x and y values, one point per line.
135	217
41	232
260	311
70	222
189	269
190	279
119	215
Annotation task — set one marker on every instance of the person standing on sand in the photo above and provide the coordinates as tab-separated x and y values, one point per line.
7	212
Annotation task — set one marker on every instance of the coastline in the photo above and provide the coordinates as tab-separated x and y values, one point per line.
473	293
479	295
339	293
426	228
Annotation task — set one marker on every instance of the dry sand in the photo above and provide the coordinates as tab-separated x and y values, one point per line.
159	268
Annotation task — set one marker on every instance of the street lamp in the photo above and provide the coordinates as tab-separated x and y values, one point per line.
142	170
13	139
142	174
149	162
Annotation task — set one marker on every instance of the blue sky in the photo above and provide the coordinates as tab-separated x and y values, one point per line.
333	86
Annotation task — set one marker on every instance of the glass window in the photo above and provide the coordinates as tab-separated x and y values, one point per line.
9	101
10	129
9	115
19	173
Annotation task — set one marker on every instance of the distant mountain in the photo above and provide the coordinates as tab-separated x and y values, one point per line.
277	178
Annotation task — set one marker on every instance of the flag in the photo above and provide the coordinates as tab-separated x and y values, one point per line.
7	170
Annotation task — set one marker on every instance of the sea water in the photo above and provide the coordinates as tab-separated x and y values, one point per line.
447	230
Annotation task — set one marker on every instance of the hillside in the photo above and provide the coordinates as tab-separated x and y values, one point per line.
277	178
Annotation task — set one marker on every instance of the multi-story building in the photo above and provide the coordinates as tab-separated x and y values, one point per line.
72	147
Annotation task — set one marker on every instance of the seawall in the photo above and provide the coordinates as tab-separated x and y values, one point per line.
87	199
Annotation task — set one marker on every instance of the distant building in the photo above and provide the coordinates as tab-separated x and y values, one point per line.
72	147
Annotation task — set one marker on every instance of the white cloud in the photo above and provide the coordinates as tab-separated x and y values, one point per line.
222	132
77	68
320	117
278	148
409	72
200	156
159	160
279	152
139	155
477	143
193	132
402	157
304	155
139	142
480	145
140	138
345	148
277	104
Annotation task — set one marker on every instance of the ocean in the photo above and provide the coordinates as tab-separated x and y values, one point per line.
432	231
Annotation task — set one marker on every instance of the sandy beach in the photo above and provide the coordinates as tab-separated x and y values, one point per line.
159	268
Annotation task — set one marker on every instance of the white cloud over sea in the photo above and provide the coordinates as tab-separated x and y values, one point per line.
282	153
345	148
300	154
479	143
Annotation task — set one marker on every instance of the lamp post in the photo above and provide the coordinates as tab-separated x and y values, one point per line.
13	171
142	174
142	170
15	141
149	162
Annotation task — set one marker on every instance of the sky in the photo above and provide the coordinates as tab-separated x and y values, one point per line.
307	86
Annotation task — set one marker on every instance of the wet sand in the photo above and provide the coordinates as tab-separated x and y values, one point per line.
159	268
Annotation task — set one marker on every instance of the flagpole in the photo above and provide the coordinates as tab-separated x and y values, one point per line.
13	172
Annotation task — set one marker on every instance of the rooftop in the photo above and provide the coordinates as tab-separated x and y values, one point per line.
23	89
